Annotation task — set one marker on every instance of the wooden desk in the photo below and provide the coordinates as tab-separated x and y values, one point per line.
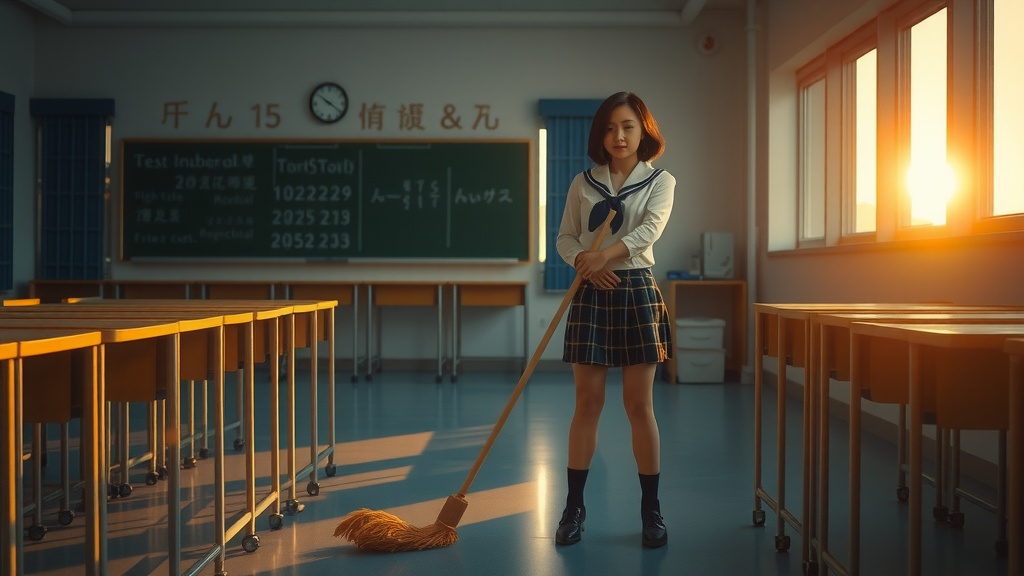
402	294
736	292
501	294
957	350
1015	446
784	331
150	289
345	294
157	342
268	315
54	291
889	384
15	346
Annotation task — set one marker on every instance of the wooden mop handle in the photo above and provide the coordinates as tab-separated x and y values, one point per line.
533	362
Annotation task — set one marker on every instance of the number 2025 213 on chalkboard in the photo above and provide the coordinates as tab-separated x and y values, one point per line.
262	200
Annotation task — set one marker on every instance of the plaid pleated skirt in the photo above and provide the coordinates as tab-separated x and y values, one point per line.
626	325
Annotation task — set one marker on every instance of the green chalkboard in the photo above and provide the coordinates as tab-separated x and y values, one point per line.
266	200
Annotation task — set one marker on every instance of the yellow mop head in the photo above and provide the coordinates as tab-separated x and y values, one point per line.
383	532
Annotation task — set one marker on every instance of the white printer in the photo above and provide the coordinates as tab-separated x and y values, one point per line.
716	254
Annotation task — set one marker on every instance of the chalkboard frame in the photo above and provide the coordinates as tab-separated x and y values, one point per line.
521	149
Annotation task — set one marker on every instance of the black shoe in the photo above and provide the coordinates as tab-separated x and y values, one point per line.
654	533
570	527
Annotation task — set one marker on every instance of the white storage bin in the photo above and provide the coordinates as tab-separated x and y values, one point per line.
700	365
699	333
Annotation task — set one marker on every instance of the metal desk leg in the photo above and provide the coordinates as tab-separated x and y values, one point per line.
313	487
440	324
369	331
456	333
355	333
173	435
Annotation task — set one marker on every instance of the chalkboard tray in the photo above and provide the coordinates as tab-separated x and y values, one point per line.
325	200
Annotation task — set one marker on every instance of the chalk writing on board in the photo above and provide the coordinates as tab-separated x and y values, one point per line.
325	200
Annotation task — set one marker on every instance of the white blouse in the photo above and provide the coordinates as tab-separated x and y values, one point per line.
647	196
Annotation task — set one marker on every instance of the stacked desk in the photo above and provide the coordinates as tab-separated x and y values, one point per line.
786	331
879	373
199	326
15	346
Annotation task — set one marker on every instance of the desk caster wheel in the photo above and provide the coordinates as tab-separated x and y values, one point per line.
903	494
330	470
940	513
250	543
239	444
112	491
125	490
152	478
65	517
956	519
189	462
313	488
293	507
161	472
355	378
782	543
204	453
758	517
276	521
36	532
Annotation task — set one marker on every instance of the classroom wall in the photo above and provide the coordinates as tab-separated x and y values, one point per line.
697	98
17	54
967	270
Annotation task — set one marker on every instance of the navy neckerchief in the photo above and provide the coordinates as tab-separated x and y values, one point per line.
611	201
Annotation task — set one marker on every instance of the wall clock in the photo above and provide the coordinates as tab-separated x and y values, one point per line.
328	102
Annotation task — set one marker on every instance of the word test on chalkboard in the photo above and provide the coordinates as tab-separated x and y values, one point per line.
263	200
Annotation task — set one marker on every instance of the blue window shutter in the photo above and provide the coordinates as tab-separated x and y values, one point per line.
73	186
6	191
568	125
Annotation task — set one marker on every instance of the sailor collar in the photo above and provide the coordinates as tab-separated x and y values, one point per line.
638	179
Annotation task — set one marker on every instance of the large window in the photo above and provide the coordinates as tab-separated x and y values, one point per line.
928	177
812	157
911	127
1008	121
862	203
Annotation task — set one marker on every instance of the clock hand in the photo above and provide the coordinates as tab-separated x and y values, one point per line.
331	104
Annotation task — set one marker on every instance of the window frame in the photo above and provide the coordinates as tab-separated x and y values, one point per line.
969	128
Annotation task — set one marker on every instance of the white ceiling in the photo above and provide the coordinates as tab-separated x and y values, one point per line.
364	12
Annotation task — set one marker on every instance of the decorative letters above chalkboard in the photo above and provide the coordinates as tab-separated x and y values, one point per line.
266	200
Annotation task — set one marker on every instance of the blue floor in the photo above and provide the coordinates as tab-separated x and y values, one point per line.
405	443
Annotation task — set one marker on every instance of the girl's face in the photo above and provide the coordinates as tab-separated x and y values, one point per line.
623	134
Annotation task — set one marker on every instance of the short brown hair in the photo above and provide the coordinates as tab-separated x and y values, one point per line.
651	145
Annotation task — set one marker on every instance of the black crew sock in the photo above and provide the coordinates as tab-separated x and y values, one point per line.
649	492
577	480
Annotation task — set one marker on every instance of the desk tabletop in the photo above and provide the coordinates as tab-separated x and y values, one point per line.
943	335
111	330
844	319
32	342
260	309
808	310
188	319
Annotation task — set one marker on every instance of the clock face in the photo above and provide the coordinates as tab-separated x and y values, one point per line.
328	102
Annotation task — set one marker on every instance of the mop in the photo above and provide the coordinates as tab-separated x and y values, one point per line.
381	531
